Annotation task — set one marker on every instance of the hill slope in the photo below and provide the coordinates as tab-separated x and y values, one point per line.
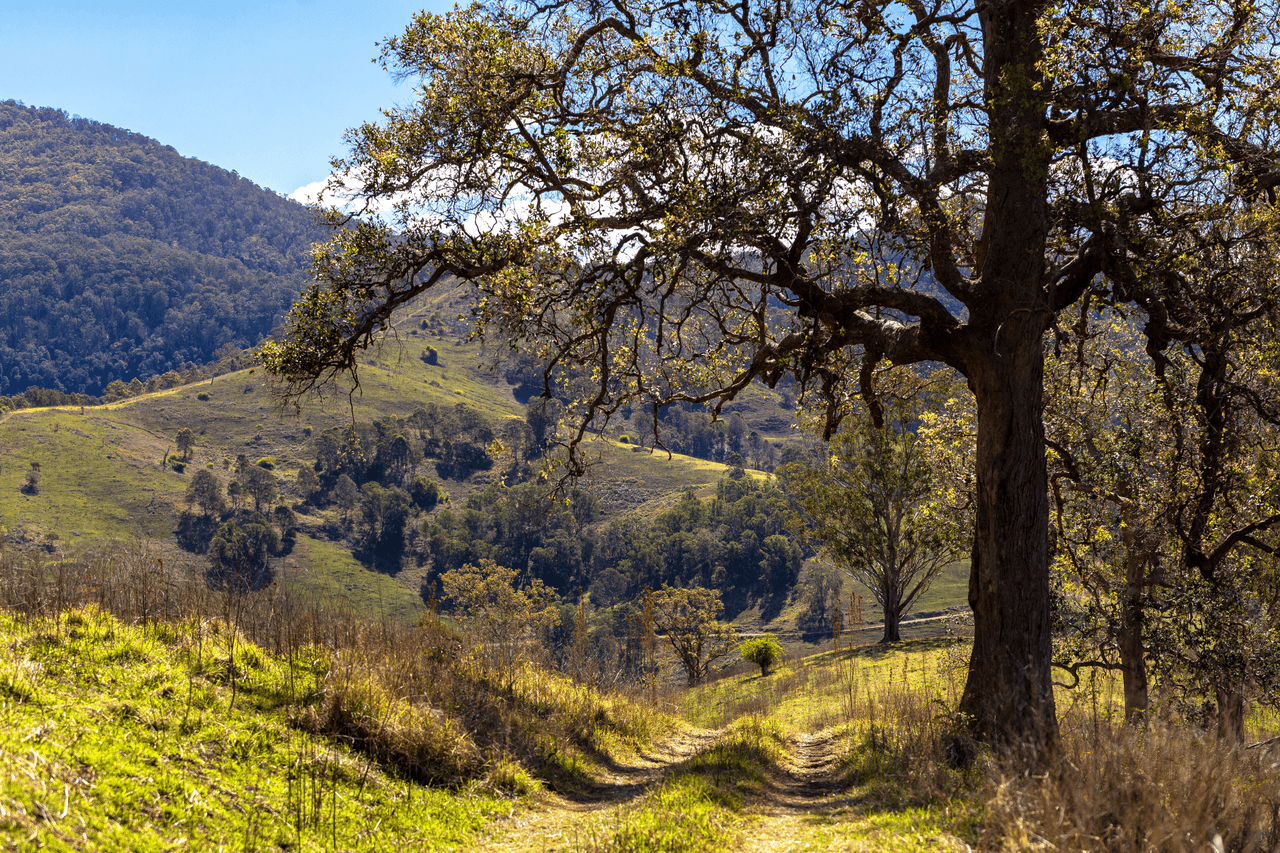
105	471
119	258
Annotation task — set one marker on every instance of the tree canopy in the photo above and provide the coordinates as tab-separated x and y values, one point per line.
679	199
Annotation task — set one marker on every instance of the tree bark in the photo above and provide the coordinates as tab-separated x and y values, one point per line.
1008	699
1231	714
1132	653
892	618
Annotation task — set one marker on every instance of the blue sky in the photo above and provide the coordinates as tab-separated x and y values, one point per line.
266	89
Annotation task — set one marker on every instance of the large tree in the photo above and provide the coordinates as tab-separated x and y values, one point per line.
679	199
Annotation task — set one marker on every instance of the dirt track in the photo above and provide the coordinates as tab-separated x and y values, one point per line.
774	823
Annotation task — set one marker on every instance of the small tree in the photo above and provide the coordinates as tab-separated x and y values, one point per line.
425	493
764	652
205	491
496	615
260	484
186	441
384	514
345	494
688	619
872	505
308	482
238	553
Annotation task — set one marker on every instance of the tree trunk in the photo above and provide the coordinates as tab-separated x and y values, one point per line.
1132	653
1231	715
1008	699
892	617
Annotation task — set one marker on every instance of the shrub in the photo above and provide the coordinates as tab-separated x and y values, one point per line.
180	467
267	462
202	396
430	355
425	493
306	430
624	439
764	652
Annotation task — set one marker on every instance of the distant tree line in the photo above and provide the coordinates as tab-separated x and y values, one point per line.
737	542
229	358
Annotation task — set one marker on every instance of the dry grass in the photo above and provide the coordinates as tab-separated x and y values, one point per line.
1165	788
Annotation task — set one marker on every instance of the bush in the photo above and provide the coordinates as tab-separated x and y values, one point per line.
764	652
202	396
180	467
306	430
267	462
430	355
624	439
425	493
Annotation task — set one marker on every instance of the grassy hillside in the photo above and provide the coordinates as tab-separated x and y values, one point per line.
140	711
102	471
123	738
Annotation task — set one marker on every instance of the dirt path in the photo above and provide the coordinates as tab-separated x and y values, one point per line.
802	794
563	824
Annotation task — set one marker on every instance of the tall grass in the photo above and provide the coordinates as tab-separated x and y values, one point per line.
1165	787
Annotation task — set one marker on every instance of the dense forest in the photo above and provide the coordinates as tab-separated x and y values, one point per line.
121	259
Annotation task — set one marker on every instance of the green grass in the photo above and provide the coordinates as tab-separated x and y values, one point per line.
681	816
701	804
827	689
99	477
919	829
326	571
115	737
949	589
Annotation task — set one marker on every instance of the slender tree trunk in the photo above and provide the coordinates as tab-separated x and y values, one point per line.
1132	653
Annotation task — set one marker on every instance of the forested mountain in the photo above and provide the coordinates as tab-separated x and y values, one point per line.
119	258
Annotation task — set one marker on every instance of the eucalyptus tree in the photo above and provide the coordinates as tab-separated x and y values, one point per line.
676	200
870	502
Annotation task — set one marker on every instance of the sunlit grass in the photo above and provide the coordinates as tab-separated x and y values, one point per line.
819	691
115	737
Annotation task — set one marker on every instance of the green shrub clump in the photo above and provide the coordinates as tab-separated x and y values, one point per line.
764	652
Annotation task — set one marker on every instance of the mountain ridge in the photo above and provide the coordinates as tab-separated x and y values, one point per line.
121	259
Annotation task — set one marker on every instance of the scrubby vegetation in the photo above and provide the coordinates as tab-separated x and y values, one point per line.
142	708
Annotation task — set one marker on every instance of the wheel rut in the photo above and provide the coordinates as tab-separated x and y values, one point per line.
774	822
563	823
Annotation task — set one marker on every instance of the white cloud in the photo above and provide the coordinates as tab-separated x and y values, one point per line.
308	194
